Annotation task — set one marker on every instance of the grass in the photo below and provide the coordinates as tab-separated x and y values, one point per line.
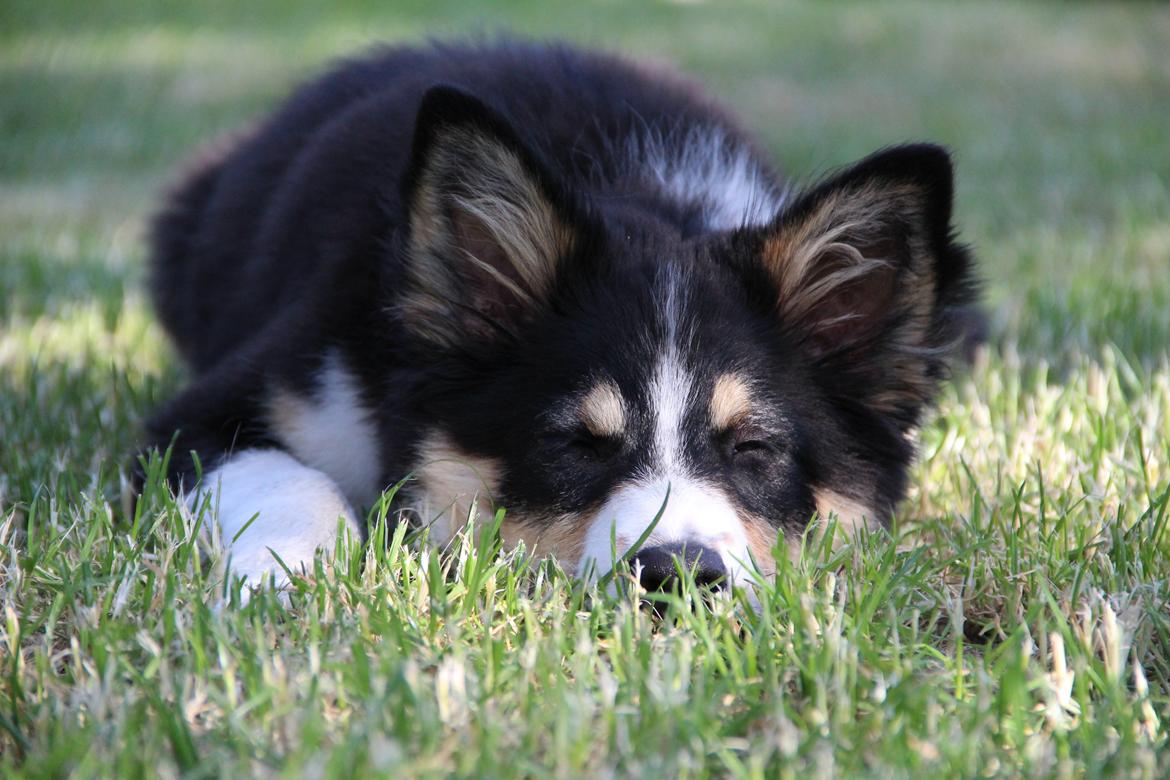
1013	622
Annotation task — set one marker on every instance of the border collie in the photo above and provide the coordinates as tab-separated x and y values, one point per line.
555	282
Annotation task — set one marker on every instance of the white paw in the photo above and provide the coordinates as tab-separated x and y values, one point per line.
296	511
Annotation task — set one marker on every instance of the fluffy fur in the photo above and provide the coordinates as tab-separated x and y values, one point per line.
558	283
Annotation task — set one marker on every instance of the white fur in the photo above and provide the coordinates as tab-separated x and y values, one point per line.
707	167
670	395
670	391
296	509
695	514
332	431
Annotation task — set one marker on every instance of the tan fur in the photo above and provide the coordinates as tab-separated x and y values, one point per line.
602	410
561	538
730	402
489	185
452	485
761	537
852	515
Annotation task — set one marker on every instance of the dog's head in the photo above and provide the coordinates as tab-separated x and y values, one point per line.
590	367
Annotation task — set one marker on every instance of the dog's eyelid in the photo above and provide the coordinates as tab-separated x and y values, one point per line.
599	447
746	427
583	432
577	431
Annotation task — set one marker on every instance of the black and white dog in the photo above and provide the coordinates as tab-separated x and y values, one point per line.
556	282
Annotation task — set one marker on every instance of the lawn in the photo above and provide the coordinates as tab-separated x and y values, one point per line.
1013	622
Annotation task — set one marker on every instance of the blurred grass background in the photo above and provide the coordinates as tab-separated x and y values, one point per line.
1045	468
1057	114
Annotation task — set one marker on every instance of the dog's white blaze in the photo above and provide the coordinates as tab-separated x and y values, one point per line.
709	168
332	431
695	513
670	390
296	509
670	396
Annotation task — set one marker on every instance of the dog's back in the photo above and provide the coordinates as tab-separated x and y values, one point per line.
299	210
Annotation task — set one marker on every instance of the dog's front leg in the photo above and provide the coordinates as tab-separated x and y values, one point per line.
269	505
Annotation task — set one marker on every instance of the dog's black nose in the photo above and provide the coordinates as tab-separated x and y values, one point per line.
659	572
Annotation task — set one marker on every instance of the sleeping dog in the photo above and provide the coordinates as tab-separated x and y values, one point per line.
554	282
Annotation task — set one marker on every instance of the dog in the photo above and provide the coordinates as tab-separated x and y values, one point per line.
555	282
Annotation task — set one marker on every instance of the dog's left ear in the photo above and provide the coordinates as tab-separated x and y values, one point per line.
488	225
870	280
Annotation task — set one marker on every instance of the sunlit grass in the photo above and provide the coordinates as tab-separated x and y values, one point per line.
1014	620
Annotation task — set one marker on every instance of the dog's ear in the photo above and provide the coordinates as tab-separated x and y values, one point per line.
870	280
488	225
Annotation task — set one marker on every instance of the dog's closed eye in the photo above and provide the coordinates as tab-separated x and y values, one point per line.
593	447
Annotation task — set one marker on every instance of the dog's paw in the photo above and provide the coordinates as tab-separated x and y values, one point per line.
268	504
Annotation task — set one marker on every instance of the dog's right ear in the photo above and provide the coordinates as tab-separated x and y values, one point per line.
870	280
488	227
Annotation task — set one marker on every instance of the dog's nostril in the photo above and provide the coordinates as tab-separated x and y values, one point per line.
659	573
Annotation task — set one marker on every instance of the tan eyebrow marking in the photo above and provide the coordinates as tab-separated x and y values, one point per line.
730	401
602	411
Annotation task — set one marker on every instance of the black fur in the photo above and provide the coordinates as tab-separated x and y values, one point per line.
295	242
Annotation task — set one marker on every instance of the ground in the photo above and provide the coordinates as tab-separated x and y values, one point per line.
1013	622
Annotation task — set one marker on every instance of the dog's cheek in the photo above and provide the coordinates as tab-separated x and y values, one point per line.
762	538
452	485
561	537
851	514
